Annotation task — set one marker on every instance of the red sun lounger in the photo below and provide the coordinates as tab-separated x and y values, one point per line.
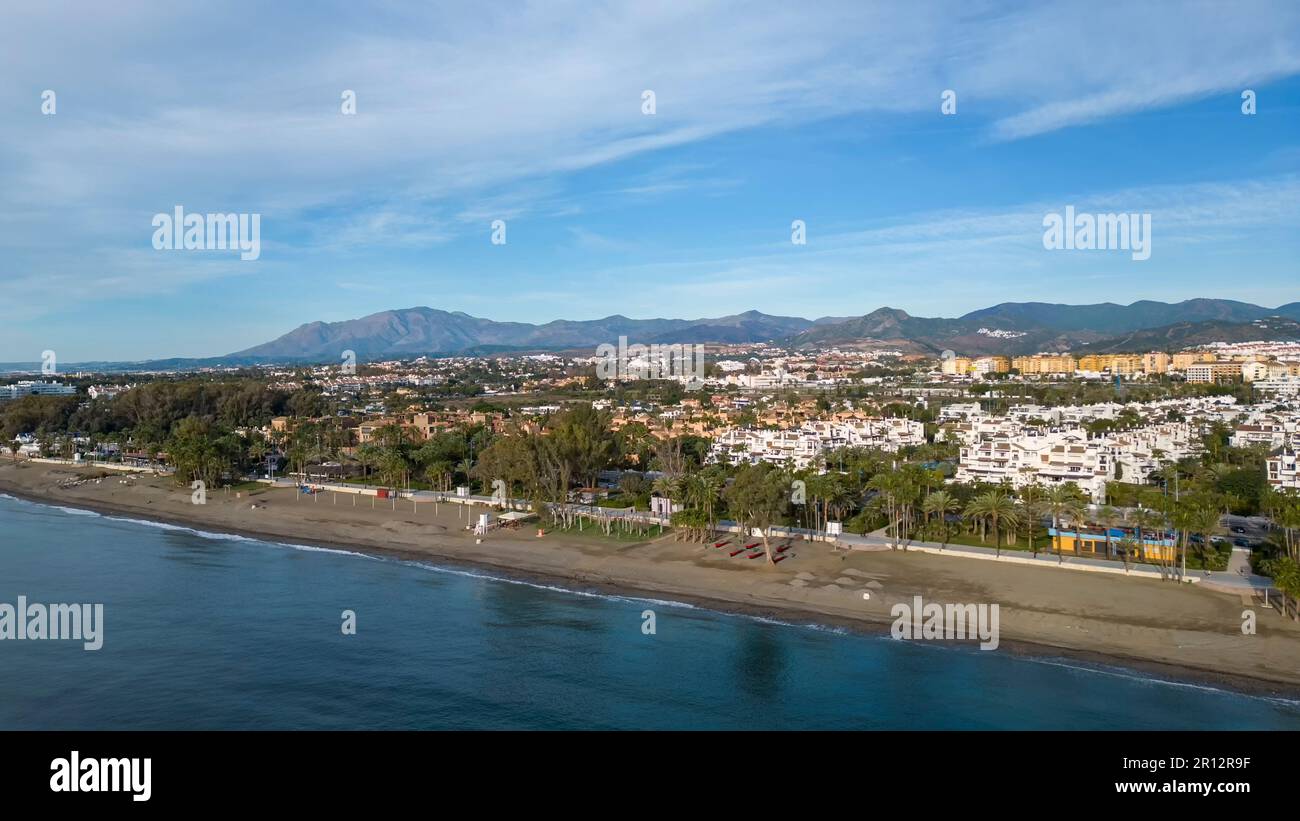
752	546
736	552
759	553
722	543
782	558
783	548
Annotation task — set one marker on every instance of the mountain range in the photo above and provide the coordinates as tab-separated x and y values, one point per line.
1008	328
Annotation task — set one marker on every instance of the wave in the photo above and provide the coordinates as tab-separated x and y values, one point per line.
75	511
1133	675
454	571
236	537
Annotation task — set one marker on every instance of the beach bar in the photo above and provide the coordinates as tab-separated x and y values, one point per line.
1090	542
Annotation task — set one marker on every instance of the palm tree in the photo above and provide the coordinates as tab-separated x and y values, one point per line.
1065	501
367	457
1204	522
669	487
996	508
890	487
257	449
1146	521
1108	517
1035	505
1288	519
940	503
710	488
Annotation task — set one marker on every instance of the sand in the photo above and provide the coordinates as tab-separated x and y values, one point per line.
1162	628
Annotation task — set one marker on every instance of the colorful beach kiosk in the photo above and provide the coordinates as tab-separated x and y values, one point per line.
1092	542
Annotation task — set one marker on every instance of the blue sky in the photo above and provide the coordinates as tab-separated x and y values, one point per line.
531	113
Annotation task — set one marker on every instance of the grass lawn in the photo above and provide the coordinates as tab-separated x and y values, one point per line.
971	540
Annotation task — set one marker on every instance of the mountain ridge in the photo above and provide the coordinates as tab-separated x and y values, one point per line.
1008	327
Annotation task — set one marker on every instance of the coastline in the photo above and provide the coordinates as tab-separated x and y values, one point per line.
663	569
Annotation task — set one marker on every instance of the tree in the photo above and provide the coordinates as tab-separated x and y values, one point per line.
758	498
257	449
940	503
1145	522
194	451
367	457
1108	517
995	508
1033	507
509	458
1066	503
898	489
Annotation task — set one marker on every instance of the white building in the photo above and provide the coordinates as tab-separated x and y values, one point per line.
1042	458
1282	469
21	389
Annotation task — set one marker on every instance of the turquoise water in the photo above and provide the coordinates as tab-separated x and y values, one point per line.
221	632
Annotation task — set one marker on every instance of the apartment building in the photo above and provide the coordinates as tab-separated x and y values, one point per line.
27	388
1271	434
1213	371
802	446
1156	362
978	428
1122	364
997	449
985	365
1281	469
1139	453
956	366
1087	464
1045	459
1267	371
1045	364
1186	359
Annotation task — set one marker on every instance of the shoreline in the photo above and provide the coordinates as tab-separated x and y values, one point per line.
582	576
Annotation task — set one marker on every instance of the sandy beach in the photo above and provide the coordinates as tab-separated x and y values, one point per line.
1160	628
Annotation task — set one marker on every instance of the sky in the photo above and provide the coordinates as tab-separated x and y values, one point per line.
534	114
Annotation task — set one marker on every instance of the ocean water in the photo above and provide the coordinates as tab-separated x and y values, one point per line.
217	632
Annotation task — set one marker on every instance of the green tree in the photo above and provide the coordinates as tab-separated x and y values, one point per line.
996	509
757	499
940	503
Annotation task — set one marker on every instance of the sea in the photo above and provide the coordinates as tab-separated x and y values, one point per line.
213	631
